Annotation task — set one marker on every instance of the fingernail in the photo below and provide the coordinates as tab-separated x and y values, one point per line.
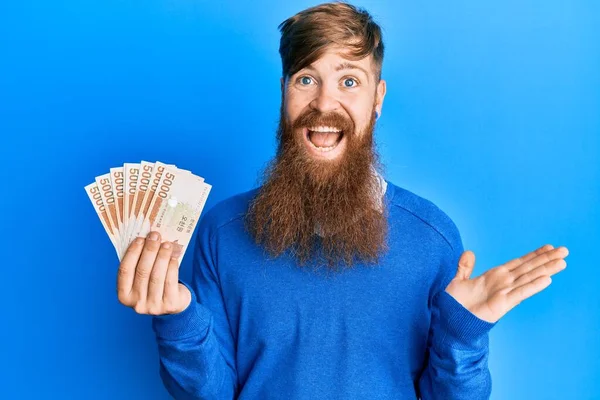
139	240
153	236
166	245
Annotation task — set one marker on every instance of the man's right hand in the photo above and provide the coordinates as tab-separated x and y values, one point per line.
148	277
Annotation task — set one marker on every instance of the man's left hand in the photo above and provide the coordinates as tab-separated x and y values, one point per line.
496	292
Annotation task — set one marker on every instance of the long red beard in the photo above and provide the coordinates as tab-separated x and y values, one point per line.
341	198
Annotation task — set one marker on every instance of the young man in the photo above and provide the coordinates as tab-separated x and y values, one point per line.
328	281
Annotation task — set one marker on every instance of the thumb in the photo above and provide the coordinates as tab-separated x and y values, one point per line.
466	263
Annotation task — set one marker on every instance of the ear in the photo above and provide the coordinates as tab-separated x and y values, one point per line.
379	96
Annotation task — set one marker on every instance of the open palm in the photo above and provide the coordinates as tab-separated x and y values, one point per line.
491	295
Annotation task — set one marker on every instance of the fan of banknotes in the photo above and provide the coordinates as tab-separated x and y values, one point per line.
137	198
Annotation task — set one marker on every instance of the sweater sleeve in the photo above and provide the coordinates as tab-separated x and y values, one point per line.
195	346
458	343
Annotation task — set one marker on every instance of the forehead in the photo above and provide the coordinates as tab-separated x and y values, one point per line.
335	59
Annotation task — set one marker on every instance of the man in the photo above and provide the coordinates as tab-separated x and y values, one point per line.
328	281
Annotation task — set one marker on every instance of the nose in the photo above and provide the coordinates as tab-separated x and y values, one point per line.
325	100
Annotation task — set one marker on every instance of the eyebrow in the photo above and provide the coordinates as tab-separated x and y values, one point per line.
345	65
348	65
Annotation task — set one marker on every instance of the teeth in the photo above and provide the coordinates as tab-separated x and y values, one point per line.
324	129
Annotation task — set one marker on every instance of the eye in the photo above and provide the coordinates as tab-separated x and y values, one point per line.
305	80
348	82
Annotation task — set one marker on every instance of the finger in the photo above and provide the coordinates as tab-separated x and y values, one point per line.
156	284
144	266
548	269
171	292
466	263
518	261
177	249
126	273
518	294
554	254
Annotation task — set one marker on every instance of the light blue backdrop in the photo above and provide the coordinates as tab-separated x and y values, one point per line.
492	113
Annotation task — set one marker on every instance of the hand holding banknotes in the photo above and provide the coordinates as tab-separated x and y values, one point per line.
149	211
148	277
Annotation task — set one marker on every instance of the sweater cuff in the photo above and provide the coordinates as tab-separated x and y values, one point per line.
192	321
460	324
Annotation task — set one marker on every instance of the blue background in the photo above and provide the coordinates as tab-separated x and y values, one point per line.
492	112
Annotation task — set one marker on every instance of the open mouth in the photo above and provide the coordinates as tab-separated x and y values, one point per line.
324	138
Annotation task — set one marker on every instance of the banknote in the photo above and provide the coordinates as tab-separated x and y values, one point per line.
139	228
179	216
117	181
96	198
135	198
108	198
176	206
135	213
132	173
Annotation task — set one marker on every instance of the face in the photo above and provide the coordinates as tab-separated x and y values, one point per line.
330	95
319	193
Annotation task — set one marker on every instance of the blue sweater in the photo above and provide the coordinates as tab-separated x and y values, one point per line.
261	328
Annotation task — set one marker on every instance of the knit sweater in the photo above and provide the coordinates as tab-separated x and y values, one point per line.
262	328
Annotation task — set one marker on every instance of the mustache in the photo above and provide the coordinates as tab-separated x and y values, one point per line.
317	118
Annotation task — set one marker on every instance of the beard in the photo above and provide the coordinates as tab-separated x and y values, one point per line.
339	198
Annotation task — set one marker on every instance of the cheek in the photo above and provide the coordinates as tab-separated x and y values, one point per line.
361	115
360	123
294	103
